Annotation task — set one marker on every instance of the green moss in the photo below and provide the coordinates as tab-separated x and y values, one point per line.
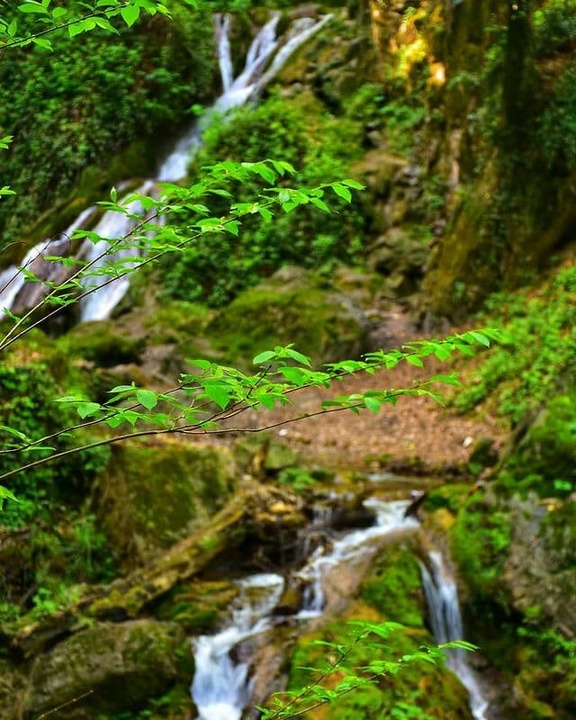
151	494
480	539
198	607
394	586
101	342
413	690
291	307
449	497
543	461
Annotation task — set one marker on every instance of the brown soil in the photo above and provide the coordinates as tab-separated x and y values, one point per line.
416	434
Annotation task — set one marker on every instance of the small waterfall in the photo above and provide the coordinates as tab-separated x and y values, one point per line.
265	58
390	518
18	294
442	598
221	687
99	304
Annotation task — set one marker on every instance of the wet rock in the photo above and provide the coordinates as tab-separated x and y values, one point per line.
105	669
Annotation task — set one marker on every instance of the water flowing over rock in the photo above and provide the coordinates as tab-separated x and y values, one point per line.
111	259
442	597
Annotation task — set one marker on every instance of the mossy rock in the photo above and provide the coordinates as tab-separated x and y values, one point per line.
107	668
394	586
103	343
175	320
296	307
415	689
480	542
152	494
543	461
199	606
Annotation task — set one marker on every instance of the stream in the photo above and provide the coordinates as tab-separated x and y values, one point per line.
222	685
267	55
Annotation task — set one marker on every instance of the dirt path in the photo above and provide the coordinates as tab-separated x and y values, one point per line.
417	432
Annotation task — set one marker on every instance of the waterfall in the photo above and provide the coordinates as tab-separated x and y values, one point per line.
442	598
221	687
390	518
266	56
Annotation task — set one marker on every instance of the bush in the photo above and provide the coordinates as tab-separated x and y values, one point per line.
87	100
216	269
557	124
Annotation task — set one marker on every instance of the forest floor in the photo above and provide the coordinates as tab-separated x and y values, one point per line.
416	434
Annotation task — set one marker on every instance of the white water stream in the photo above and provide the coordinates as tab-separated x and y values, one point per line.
442	597
266	56
221	687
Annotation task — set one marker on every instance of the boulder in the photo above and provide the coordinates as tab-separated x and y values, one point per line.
293	306
106	668
151	494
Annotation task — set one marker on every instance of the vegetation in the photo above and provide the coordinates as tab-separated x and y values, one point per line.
232	225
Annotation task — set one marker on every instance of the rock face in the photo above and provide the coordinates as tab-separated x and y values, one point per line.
540	572
105	669
150	495
293	306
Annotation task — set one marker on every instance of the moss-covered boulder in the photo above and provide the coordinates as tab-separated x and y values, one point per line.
108	668
104	343
393	586
293	306
543	461
153	493
411	690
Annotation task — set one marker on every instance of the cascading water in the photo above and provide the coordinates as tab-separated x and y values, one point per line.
265	58
221	687
390	518
442	598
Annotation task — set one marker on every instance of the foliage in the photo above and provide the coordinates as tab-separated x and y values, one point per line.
322	150
29	409
557	124
215	393
350	665
90	110
396	118
480	539
543	461
555	26
542	323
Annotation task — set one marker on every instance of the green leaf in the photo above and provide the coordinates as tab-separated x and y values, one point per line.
218	393
130	13
448	379
373	404
87	409
264	357
147	398
480	337
5	494
298	357
33	7
320	204
43	43
353	184
414	360
342	192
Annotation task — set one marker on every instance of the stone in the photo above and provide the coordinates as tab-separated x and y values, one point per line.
106	668
293	306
